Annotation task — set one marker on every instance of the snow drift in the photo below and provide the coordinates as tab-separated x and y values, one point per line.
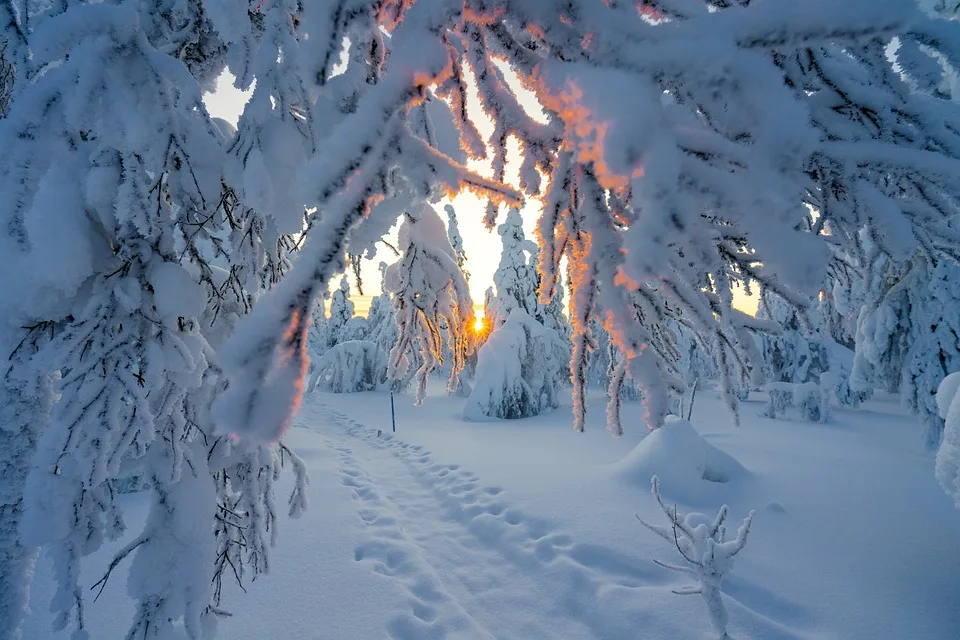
681	458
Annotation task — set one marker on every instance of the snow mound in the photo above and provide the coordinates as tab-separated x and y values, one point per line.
946	392
948	456
680	457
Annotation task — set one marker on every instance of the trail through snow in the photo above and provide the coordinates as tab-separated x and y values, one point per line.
534	536
473	566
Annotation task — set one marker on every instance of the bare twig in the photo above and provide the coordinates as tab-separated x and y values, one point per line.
117	559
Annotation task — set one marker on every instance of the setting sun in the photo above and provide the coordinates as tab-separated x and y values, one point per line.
478	324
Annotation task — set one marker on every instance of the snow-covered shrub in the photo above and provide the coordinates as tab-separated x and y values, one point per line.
518	374
807	400
811	399
705	551
948	455
835	382
349	367
779	399
792	354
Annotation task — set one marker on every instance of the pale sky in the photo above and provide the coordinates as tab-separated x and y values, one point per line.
482	246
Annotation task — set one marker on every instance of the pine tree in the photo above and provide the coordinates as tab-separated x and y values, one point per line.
933	339
137	172
882	327
522	363
341	313
515	278
137	187
383	327
516	371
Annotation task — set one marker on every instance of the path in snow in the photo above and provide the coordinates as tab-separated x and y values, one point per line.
473	566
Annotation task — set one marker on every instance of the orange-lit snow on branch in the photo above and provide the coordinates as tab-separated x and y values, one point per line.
422	81
536	31
483	18
391	13
295	357
586	132
621	279
286	376
582	276
650	12
454	92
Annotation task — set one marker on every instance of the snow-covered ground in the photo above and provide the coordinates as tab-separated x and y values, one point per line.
527	530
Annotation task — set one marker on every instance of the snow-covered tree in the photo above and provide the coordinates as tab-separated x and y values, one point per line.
523	363
13	54
26	402
934	341
351	367
794	354
427	287
555	317
383	328
674	173
906	338
882	326
839	303
128	172
696	362
318	334
341	313
516	371
26	399
724	147
275	134
516	278
119	215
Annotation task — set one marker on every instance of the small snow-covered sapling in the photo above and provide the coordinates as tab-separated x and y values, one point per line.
779	398
702	544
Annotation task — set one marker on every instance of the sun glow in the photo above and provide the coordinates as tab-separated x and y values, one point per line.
478	324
